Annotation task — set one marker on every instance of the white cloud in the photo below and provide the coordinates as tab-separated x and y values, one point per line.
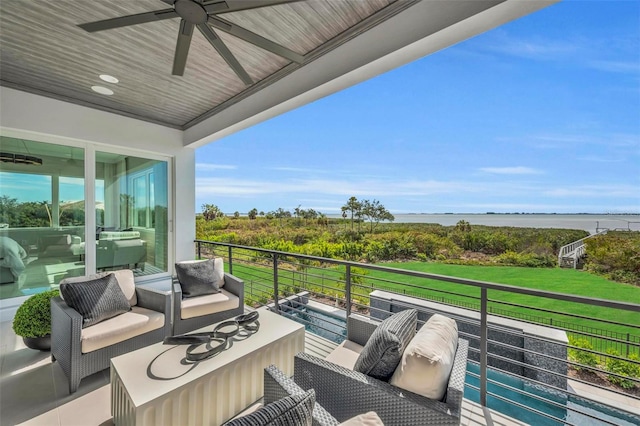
237	187
616	66
565	140
606	191
533	48
72	181
518	170
205	167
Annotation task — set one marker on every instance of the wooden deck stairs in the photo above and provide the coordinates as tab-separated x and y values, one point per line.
572	255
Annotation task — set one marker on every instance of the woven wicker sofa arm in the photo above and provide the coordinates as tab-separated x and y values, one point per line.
277	386
360	328
346	393
154	299
66	329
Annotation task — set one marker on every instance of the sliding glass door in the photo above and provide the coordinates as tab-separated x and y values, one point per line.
42	215
44	235
131	213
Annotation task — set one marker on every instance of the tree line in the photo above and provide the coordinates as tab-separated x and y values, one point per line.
358	211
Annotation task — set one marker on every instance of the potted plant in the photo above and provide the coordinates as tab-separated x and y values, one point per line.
33	320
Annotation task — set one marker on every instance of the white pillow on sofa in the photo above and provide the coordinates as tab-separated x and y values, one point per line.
366	419
428	359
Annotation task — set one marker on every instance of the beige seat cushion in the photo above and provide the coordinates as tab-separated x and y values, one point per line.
428	359
119	328
208	304
366	419
345	354
125	281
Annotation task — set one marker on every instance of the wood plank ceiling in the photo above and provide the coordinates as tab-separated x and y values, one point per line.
45	52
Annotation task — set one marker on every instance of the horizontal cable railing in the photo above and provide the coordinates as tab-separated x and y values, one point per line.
536	342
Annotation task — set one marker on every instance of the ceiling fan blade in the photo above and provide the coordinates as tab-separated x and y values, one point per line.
182	47
169	2
235	5
255	39
224	51
125	21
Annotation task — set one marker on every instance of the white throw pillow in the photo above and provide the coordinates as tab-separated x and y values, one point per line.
366	419
427	361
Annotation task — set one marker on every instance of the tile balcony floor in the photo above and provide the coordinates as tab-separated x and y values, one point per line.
34	391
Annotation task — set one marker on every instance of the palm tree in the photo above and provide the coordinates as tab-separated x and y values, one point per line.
353	206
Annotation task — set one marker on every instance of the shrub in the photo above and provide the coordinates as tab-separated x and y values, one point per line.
623	368
531	260
582	357
616	255
33	317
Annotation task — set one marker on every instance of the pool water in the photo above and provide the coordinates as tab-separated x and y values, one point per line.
321	324
334	328
570	411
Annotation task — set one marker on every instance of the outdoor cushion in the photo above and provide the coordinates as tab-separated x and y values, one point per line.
208	304
427	361
118	235
345	354
366	419
125	279
120	328
11	255
96	299
199	277
295	410
383	351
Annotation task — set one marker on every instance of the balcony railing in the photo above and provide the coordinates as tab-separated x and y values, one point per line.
549	355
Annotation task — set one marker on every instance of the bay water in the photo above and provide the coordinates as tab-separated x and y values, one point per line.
588	222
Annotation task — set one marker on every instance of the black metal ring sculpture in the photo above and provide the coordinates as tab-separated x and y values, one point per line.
247	322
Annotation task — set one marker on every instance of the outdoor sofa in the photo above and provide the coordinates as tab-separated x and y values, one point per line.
345	393
82	351
192	313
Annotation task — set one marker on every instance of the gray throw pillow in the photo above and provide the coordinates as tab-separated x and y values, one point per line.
95	299
293	410
197	278
383	351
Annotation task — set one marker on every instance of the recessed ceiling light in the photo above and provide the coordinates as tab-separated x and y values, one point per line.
109	78
102	90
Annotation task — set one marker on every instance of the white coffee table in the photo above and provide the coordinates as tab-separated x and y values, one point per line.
213	391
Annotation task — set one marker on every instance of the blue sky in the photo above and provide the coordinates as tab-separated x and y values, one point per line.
539	115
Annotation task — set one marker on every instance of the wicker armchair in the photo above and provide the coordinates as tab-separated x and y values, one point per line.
345	393
67	332
232	286
277	386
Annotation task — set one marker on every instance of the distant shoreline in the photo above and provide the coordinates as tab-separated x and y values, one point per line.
589	222
524	213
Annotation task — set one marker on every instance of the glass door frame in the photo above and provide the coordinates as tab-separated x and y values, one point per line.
90	149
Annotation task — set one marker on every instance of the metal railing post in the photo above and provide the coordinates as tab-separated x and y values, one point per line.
483	346
230	261
275	283
347	289
199	246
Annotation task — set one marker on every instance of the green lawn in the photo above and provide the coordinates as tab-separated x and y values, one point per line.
557	280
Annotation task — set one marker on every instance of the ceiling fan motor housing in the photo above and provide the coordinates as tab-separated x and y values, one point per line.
191	11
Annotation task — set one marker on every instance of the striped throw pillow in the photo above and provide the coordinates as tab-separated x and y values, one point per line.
95	299
383	351
295	410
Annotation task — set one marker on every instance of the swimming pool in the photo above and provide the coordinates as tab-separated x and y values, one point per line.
568	408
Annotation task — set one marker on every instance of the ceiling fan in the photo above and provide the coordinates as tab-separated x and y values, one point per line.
202	14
